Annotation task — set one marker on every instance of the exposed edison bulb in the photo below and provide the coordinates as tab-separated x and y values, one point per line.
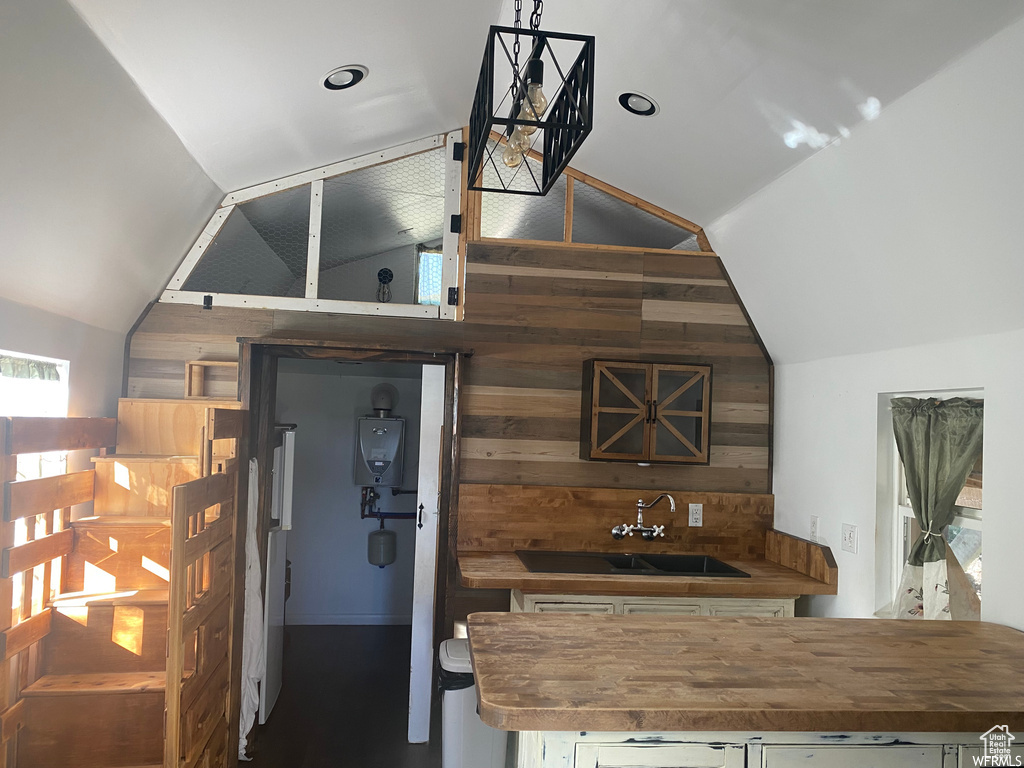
515	147
533	107
511	155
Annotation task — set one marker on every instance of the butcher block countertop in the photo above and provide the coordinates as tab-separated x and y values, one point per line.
503	570
578	672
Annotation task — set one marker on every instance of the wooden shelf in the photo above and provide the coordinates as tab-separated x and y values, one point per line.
197	382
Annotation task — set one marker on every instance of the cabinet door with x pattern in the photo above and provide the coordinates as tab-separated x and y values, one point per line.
636	411
681	396
620	407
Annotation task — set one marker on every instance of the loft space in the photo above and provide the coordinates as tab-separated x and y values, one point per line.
368	234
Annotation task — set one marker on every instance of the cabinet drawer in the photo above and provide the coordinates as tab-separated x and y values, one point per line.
970	756
664	609
559	607
660	756
852	757
740	607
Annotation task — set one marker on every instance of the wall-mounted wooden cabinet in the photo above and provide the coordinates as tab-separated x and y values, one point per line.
654	412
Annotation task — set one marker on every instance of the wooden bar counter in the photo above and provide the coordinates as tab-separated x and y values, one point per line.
561	672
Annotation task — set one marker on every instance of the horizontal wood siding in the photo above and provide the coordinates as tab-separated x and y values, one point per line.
533	314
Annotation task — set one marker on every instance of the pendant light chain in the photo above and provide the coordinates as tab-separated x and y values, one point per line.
538	9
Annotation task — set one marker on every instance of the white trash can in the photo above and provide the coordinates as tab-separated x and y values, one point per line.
465	741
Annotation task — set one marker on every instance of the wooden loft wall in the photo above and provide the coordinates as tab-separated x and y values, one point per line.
533	313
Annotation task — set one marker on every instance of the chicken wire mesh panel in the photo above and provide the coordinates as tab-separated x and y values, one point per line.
261	250
600	219
524	217
377	218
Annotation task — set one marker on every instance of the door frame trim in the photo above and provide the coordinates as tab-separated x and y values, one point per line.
257	390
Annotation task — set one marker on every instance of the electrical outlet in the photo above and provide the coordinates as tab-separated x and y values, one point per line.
849	538
814	527
696	515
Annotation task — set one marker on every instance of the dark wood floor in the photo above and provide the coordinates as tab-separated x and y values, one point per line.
345	702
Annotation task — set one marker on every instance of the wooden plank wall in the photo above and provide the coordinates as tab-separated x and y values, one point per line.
504	518
533	314
539	312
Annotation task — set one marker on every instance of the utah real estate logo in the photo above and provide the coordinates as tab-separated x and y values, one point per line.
997	740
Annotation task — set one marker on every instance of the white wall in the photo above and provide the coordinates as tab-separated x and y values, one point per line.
100	200
332	581
96	355
826	446
909	232
905	237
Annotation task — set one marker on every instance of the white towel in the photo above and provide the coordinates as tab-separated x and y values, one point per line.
254	663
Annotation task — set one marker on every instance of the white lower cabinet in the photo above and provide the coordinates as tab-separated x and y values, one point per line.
974	755
843	756
660	756
733	749
665	606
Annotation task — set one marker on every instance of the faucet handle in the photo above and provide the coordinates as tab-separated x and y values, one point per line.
659	530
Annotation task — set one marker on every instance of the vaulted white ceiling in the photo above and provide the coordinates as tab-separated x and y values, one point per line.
747	89
240	82
101	197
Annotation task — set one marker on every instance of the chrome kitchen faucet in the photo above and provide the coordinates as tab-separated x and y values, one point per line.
648	533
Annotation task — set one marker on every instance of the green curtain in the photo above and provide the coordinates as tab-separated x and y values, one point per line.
939	441
26	368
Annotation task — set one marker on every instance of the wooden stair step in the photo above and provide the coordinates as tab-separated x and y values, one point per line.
96	683
148	426
119	521
93	721
122	521
140	485
119	632
145	458
126	597
115	553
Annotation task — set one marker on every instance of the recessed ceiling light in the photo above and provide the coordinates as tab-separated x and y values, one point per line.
638	104
345	77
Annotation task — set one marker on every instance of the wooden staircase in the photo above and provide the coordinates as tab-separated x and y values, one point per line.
93	685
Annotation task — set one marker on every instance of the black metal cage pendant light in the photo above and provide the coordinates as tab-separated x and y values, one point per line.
513	120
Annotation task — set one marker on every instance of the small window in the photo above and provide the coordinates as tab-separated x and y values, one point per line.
34	386
964	534
428	276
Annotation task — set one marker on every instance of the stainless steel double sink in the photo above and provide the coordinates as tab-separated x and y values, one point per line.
537	561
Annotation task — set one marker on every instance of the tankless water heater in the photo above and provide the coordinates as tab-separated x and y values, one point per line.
380	449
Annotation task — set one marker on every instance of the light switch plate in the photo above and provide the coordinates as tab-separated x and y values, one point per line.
696	515
814	527
849	538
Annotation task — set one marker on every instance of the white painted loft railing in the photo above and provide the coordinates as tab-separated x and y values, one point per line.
310	302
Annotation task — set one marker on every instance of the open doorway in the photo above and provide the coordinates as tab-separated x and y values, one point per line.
350	638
